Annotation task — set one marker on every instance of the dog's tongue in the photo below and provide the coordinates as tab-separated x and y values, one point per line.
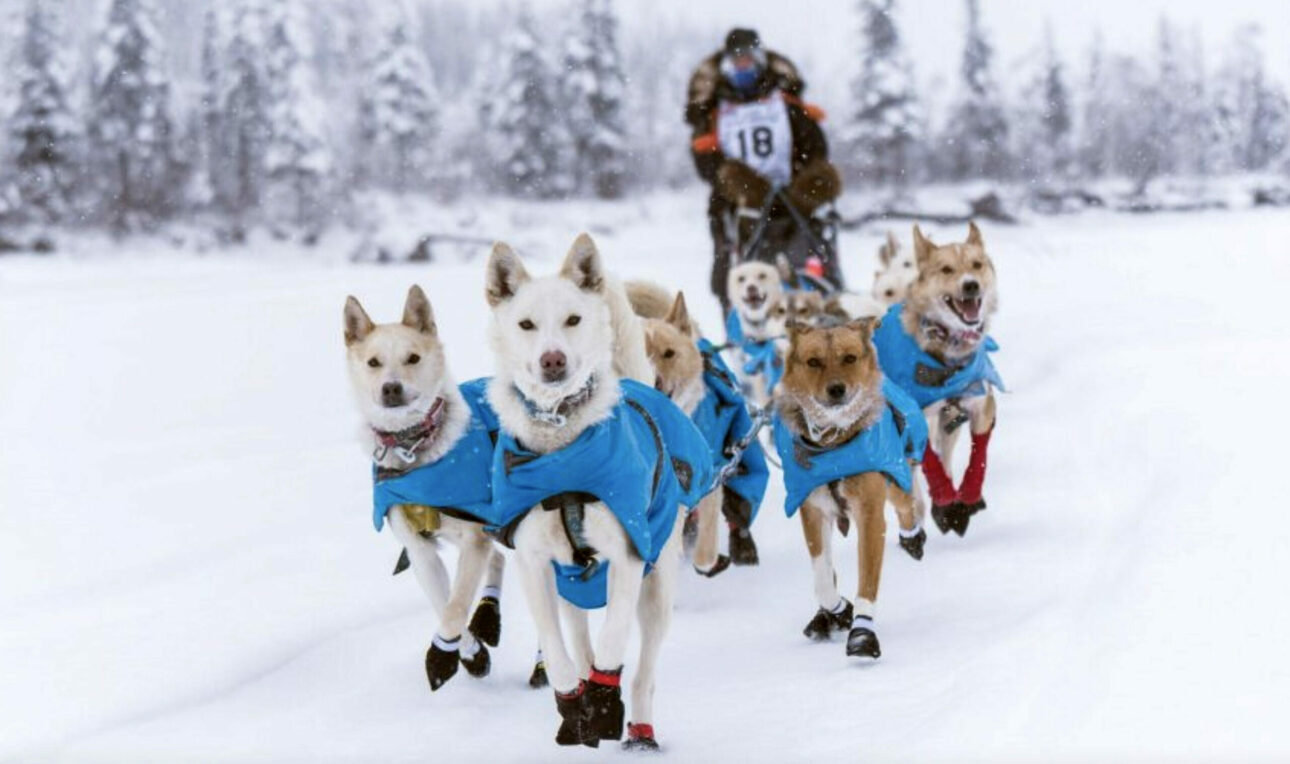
969	309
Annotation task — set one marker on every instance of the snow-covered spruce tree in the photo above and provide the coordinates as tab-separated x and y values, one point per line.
129	130
297	162
1045	147
238	145
43	131
530	146
887	129
592	88
398	119
209	124
1095	152
1165	116
1252	107
976	137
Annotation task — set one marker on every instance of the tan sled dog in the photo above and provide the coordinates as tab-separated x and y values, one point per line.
829	403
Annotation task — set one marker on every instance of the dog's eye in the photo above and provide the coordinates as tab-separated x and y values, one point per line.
815	363
947	270
761	277
848	358
413	359
527	325
374	362
669	353
573	320
909	264
742	279
976	265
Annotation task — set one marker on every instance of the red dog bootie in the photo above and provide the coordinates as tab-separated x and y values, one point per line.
969	494
941	488
640	737
605	703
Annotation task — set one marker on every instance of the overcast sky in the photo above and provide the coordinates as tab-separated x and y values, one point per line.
820	34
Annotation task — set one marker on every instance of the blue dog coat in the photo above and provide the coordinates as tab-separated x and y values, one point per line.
722	417
460	480
642	461
760	355
926	379
886	447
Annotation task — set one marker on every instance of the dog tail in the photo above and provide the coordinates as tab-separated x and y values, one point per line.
630	357
649	300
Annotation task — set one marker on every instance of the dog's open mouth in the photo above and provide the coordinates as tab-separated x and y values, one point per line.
754	300
968	309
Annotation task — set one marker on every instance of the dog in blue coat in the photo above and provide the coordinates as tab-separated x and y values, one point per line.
688	370
432	456
846	439
593	467
936	345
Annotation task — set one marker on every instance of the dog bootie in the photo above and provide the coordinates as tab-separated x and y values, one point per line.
538	680
605	701
743	550
862	642
575	715
721	564
640	737
441	661
912	542
826	621
486	623
941	489
969	494
477	663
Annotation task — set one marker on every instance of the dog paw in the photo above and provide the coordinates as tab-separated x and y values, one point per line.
486	623
538	680
743	550
479	664
575	719
824	623
862	642
720	565
640	737
945	516
604	700
440	665
914	544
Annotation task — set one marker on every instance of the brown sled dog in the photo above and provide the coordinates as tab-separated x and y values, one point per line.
832	392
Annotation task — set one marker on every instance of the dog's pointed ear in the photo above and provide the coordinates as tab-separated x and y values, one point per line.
866	325
505	274
417	312
786	272
357	324
922	248
974	234
887	253
582	265
679	315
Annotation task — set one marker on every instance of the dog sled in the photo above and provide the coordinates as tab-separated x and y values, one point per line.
779	232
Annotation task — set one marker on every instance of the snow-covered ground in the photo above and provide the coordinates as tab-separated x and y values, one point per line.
188	570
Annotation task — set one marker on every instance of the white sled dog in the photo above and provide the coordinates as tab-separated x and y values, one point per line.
562	343
753	289
417	415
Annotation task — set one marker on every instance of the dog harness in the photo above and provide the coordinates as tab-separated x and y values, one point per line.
887	446
923	377
760	356
457	483
642	460
722	418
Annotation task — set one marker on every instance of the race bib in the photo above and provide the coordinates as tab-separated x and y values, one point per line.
758	134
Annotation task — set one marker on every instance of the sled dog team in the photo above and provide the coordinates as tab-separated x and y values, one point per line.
610	421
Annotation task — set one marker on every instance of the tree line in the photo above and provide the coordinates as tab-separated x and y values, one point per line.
293	107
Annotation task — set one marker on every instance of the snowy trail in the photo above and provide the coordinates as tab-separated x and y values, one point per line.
187	570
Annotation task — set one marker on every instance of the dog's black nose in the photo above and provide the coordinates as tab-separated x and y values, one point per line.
971	288
553	363
392	393
836	391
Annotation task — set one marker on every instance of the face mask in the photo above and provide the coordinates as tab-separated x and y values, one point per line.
744	80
